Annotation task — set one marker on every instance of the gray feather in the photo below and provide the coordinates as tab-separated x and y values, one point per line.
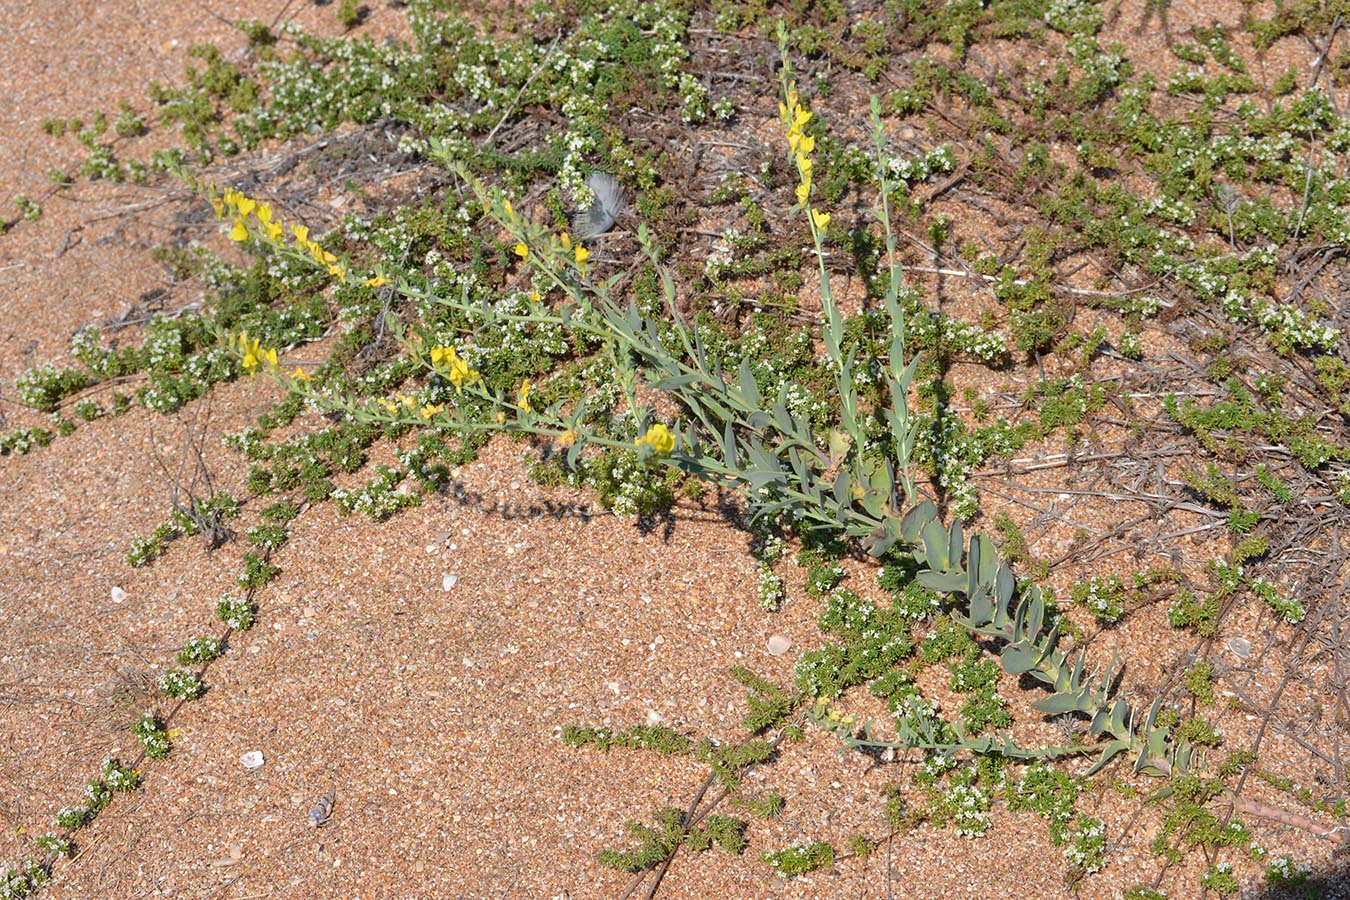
604	209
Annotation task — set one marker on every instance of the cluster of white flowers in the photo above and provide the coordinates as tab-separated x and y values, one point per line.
1088	846
914	169
1177	211
969	806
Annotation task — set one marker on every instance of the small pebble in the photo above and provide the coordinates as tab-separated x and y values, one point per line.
432	548
1240	647
779	644
252	759
449	581
654	718
118	595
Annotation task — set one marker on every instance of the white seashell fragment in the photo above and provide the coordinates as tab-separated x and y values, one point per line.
604	209
448	581
779	644
252	759
322	810
118	595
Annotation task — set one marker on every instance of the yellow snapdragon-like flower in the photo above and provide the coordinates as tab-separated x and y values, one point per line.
377	281
430	409
581	254
253	354
522	251
523	396
659	438
239	232
389	405
822	219
301	375
567	438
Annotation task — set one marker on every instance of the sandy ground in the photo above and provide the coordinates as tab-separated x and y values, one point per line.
433	715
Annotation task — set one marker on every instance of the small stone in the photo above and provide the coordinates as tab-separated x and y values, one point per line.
654	718
432	548
779	644
118	595
252	759
1240	647
448	581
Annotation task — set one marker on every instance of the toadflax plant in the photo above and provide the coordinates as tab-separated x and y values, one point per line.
853	479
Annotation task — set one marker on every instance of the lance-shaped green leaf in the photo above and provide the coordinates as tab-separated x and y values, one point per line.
916	519
935	543
749	389
1109	752
1018	658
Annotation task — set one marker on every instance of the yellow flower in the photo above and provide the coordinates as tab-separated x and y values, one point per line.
522	251
582	254
803	191
389	405
443	356
238	232
408	401
500	418
567	438
822	219
430	409
801	144
523	396
377	281
264	213
461	374
253	354
659	438
338	271
273	231
510	210
245	205
301	375
301	233
566	240
535	297
217	204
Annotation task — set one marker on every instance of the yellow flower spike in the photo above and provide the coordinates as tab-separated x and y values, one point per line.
582	254
301	233
238	232
822	219
523	396
251	351
245	205
430	409
269	357
443	356
273	231
659	438
567	438
522	251
264	213
377	281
